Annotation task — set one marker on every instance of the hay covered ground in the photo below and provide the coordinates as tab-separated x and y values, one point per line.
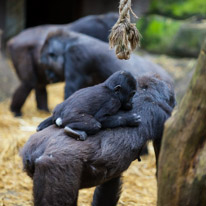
16	187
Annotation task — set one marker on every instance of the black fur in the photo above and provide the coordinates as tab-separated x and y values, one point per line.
87	108
84	61
111	190
25	49
63	165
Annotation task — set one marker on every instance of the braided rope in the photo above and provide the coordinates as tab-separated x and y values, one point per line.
124	36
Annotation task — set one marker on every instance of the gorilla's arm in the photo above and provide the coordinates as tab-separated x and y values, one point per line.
121	119
74	73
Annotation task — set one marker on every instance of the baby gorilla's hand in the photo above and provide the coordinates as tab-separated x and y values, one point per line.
133	120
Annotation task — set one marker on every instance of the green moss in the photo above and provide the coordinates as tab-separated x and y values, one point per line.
180	8
157	32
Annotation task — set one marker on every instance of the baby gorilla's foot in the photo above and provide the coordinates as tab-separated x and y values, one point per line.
59	122
78	135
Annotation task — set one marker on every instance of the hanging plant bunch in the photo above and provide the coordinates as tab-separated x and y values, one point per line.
124	36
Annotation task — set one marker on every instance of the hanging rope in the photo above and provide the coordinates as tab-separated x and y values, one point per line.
124	36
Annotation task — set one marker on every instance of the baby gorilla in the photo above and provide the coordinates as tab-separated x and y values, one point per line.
86	111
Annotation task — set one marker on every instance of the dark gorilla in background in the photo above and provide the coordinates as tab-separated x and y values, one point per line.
83	61
25	49
60	165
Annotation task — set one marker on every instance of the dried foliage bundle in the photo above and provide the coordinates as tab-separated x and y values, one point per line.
124	36
16	187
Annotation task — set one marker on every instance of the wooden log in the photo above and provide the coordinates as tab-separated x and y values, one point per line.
182	161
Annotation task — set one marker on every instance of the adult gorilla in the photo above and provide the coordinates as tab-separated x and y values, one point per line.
25	49
60	165
84	61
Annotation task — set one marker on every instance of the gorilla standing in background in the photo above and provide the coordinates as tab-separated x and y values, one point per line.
60	165
25	48
84	61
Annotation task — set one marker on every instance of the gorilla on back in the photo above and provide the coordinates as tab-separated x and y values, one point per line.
59	171
84	111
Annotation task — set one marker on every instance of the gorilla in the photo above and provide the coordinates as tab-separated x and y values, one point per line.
84	112
24	50
60	165
83	61
46	62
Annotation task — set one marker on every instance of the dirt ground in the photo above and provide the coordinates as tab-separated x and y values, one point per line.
16	187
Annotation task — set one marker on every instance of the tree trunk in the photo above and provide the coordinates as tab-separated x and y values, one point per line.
182	161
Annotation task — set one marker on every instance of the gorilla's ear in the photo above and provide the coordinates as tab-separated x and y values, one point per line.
117	88
133	93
